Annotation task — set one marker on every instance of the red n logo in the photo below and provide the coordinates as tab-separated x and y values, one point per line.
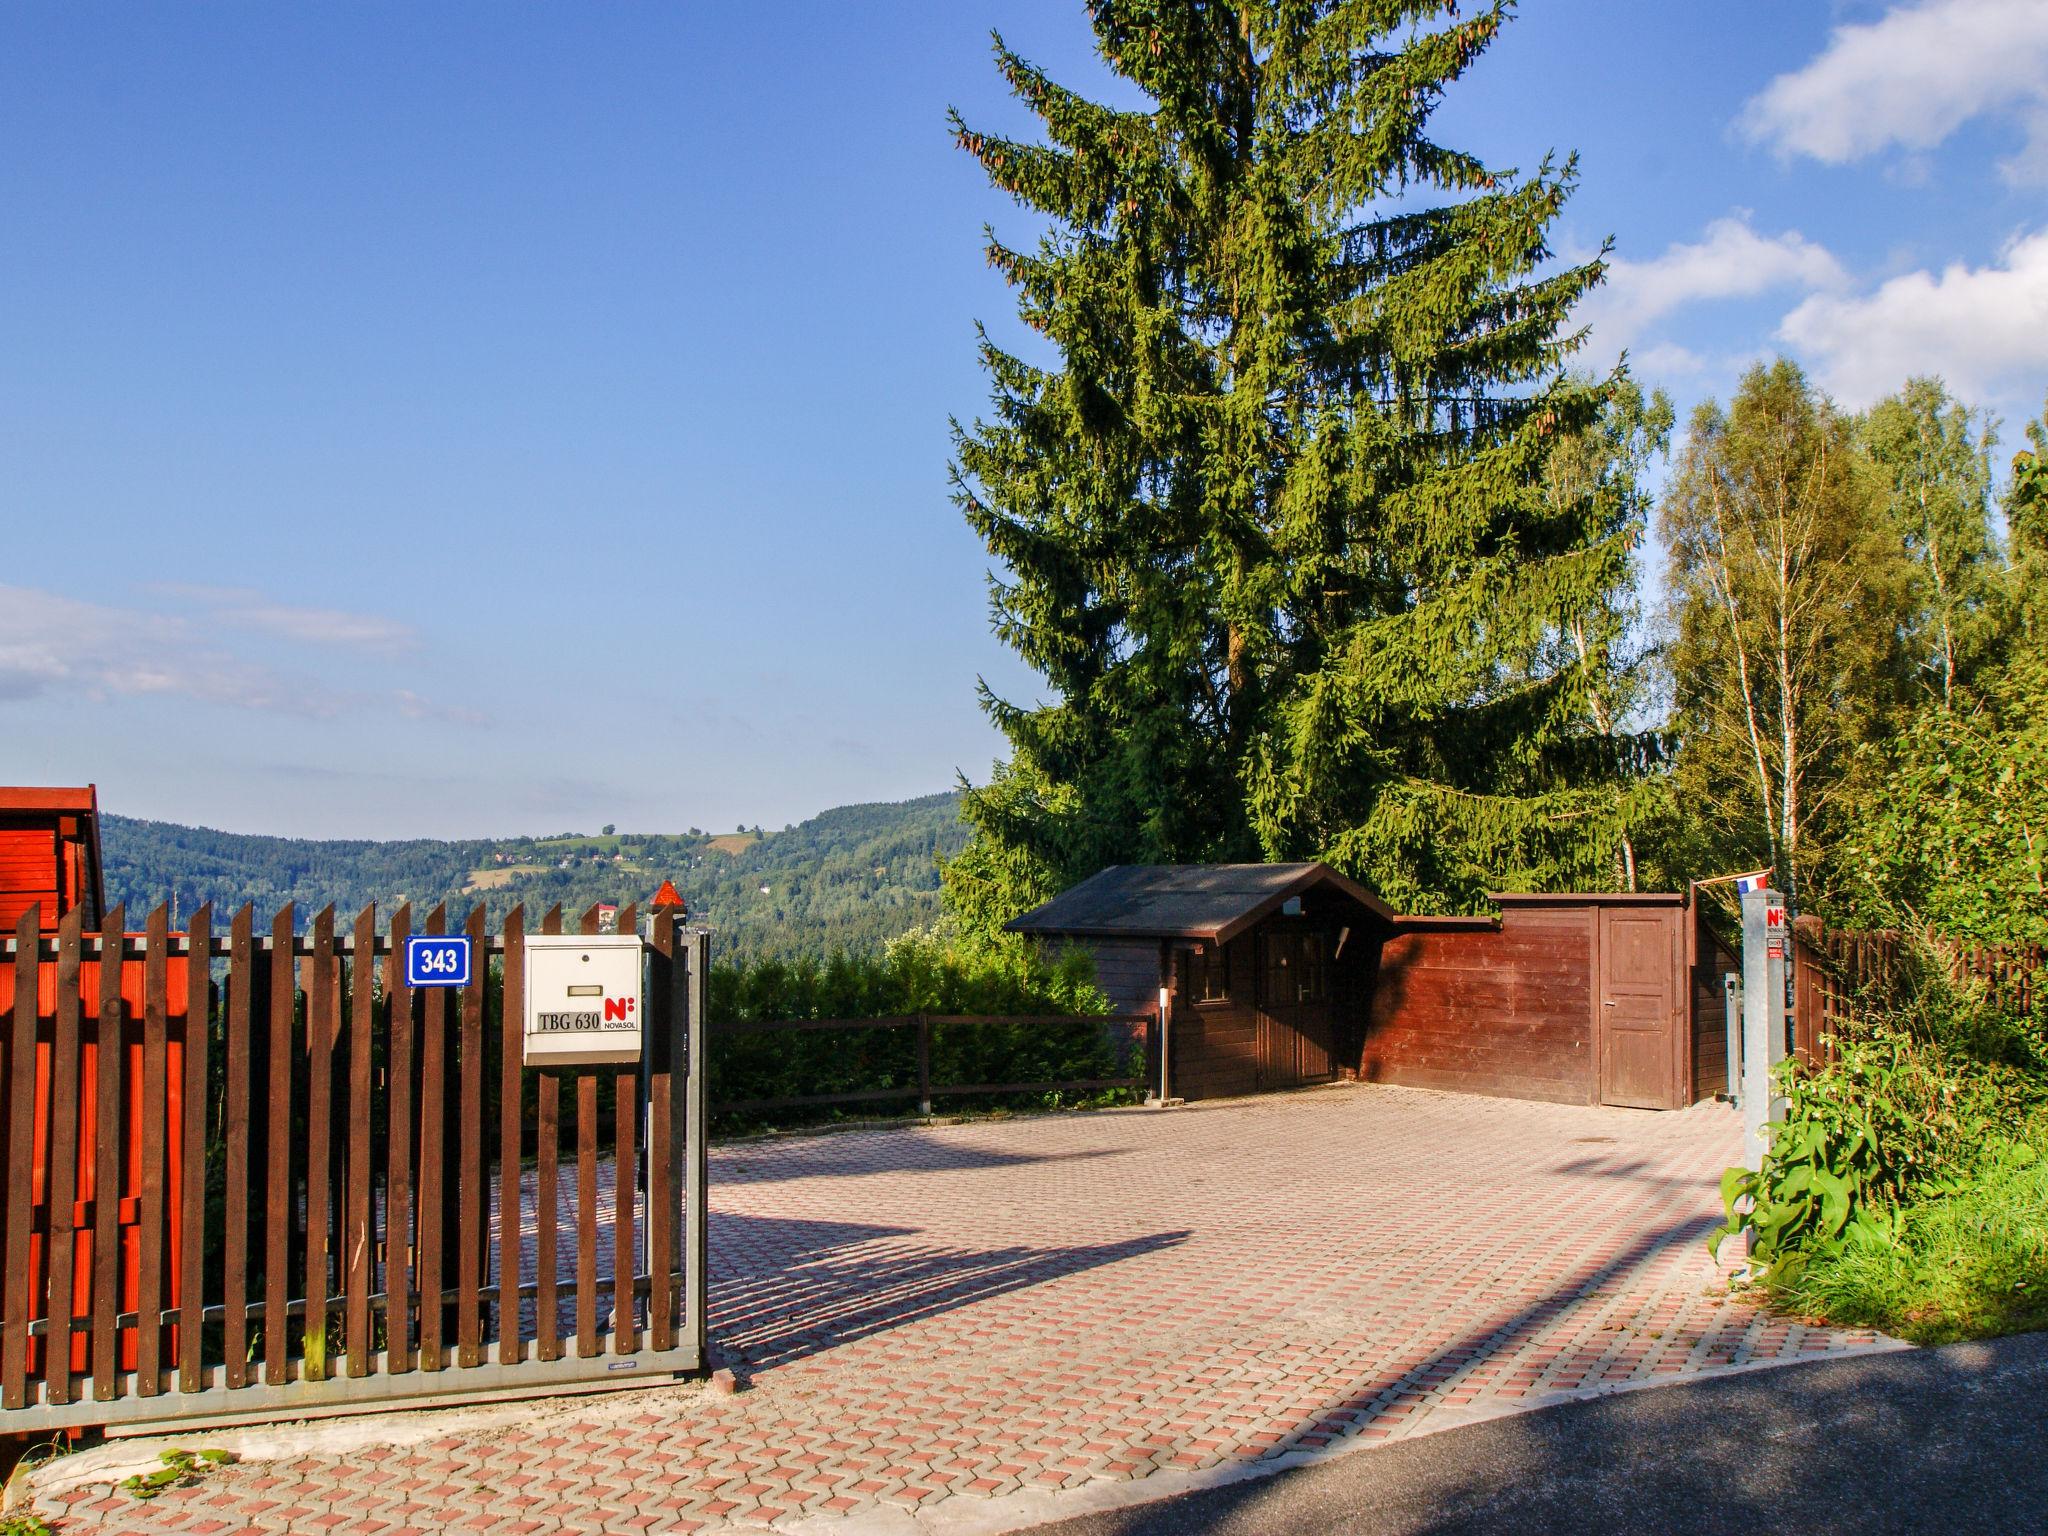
617	1008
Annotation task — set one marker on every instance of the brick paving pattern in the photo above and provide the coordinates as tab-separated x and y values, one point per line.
970	1311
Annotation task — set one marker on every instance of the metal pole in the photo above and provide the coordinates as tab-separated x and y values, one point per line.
1165	1034
1731	990
1765	934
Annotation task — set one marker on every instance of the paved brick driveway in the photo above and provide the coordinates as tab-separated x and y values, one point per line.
934	1319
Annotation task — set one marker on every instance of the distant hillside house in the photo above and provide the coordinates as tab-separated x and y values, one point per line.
1284	975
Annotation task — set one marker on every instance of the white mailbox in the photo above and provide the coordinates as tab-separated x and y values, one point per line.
583	1003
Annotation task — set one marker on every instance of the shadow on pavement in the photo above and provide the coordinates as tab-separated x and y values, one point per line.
784	1289
1412	1382
855	1154
1949	1439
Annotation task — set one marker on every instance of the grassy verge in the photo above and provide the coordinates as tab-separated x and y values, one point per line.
1967	1264
1906	1187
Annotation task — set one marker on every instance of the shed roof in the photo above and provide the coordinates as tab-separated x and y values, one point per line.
1185	901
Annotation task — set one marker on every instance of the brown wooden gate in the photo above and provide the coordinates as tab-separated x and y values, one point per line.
369	1203
1295	1023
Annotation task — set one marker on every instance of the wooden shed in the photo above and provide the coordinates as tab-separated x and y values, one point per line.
1263	966
1579	998
1280	975
49	854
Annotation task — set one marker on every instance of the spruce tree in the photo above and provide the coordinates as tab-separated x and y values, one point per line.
1273	527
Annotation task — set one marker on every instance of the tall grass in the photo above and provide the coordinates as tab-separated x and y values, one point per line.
1966	1262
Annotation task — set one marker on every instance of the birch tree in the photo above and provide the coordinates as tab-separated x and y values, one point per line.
1932	455
1786	591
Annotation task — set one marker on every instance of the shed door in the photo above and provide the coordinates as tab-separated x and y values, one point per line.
1638	1007
1294	1009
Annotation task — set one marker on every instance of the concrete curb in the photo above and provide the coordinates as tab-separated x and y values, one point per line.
964	1515
961	1515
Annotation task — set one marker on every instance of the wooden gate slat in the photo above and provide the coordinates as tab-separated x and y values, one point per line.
398	1216
511	1117
19	1082
235	1239
586	1198
548	1211
64	1066
433	1153
358	1266
277	1191
625	1185
149	1290
192	1179
108	1039
660	1024
470	1193
323	981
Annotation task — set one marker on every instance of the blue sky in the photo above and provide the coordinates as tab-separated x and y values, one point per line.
454	420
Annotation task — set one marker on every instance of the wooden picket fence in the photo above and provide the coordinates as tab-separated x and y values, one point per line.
1836	972
256	1175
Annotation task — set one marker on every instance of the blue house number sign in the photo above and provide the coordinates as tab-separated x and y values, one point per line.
435	961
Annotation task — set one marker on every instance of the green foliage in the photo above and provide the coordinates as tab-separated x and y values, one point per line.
1278	529
1971	1265
1956	834
936	971
24	1522
1932	455
851	878
1787	591
180	1469
1901	1179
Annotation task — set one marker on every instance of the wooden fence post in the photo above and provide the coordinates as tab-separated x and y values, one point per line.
924	1065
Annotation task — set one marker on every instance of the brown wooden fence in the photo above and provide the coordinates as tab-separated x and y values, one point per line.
1836	972
255	1174
1135	1026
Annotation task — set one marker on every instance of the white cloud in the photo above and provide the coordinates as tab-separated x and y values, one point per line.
1909	80
1983	329
1731	261
414	707
241	608
60	646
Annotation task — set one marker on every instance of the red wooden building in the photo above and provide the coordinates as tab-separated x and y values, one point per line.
50	859
49	855
1280	975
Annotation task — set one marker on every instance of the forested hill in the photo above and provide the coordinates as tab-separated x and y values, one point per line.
849	878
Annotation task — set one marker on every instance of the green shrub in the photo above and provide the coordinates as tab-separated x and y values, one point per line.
936	972
1970	1263
1904	1186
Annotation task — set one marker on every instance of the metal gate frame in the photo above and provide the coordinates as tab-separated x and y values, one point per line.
474	1362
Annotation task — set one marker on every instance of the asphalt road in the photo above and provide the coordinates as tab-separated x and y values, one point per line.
1951	1440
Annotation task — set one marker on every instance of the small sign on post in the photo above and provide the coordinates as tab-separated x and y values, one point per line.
1764	931
437	960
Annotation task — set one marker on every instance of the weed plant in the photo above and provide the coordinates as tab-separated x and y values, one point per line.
1906	1187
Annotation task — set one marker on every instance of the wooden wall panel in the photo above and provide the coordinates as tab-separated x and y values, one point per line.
1505	1011
1127	970
1215	1051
